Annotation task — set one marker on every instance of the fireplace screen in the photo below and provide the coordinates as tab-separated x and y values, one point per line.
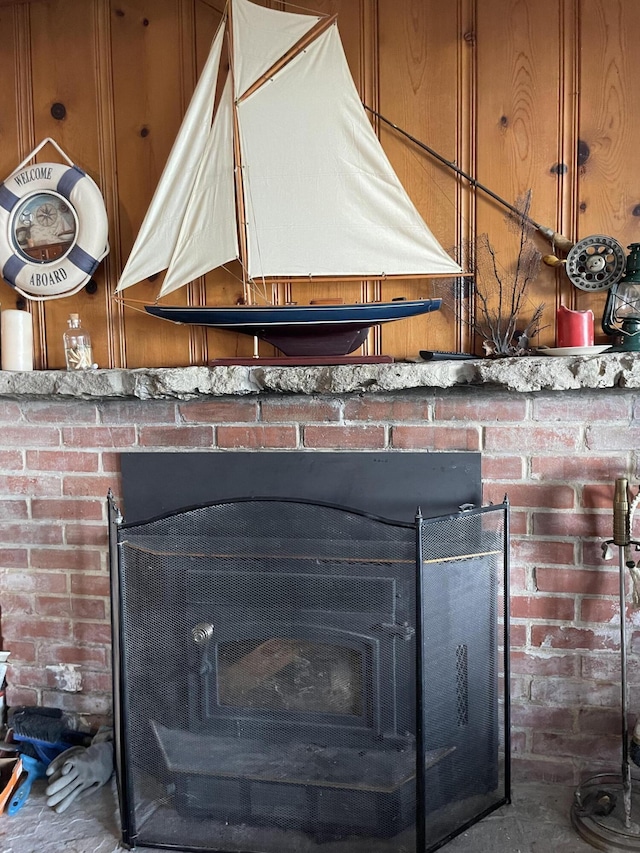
293	676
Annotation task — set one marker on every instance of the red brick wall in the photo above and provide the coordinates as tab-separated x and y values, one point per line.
555	454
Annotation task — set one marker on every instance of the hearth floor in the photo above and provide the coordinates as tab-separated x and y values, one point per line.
536	822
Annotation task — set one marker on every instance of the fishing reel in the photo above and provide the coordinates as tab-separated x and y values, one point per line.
595	263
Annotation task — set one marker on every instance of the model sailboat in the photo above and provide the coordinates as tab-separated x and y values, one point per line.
285	173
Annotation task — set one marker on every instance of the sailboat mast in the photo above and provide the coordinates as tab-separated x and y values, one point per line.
241	218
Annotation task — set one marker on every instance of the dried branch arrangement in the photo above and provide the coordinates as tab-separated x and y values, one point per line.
502	317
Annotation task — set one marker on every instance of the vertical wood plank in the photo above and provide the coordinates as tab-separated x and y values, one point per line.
64	73
23	77
419	92
518	131
73	84
464	307
113	311
568	103
15	113
148	70
608	175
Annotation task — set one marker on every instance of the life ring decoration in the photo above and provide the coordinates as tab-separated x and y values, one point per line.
53	230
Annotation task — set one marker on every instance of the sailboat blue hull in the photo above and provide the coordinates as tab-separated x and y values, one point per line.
299	330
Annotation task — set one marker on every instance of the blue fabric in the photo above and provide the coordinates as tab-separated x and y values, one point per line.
11	269
82	260
7	199
68	181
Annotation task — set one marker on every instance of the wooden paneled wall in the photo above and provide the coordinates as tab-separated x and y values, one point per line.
537	95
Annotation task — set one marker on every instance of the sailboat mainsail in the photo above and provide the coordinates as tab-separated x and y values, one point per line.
287	176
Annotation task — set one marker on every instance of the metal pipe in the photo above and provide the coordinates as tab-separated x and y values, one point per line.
622	538
625	767
421	792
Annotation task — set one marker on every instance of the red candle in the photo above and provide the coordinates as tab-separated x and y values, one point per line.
574	328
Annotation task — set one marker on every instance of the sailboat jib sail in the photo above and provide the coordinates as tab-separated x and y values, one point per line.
208	237
288	176
156	240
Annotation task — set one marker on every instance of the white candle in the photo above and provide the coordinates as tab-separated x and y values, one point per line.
16	340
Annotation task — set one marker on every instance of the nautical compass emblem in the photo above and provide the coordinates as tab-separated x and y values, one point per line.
44	227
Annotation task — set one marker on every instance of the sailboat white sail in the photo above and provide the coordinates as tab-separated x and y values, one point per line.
287	176
157	238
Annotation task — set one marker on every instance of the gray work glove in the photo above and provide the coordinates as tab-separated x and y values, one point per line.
78	771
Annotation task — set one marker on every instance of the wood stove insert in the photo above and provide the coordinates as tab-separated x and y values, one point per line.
294	676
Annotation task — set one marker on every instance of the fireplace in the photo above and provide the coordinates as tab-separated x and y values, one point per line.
293	675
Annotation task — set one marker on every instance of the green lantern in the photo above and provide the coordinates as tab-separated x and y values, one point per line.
621	316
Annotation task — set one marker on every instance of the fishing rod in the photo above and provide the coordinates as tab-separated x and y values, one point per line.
556	239
594	263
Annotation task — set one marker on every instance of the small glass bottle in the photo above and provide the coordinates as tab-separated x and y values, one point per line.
77	345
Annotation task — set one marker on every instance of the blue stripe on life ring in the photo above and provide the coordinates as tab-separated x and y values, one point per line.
12	268
8	200
68	181
83	260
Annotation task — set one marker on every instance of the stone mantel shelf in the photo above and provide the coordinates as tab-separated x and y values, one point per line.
522	374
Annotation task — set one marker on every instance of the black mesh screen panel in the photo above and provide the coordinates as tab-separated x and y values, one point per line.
463	667
267	674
